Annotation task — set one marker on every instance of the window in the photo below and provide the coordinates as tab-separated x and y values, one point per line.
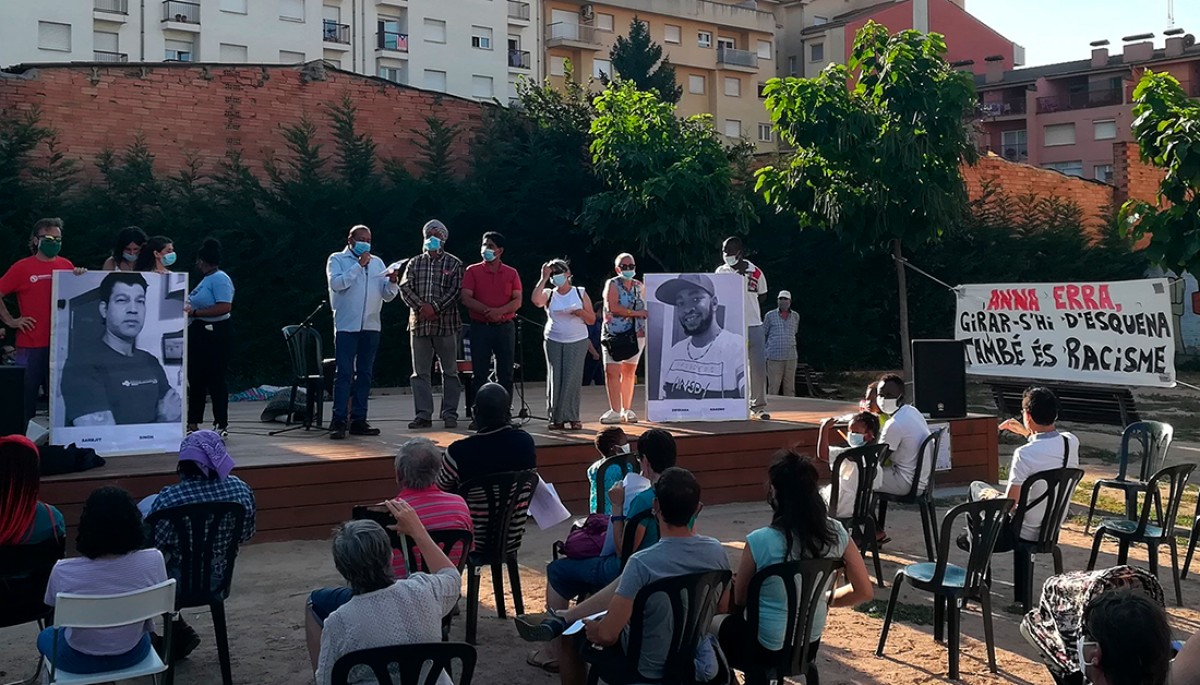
393	74
733	128
105	41
818	20
1104	172
178	50
53	36
435	32
331	13
235	54
733	86
765	133
791	65
726	43
816	52
672	34
1014	145
764	49
481	37
695	84
1059	134
604	22
291	10
601	69
390	36
435	80
761	95
235	6
290	57
704	39
481	87
1074	168
558	65
1105	130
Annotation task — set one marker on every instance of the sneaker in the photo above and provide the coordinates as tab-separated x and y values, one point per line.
222	431
628	416
337	430
418	424
545	630
611	417
362	428
184	639
473	426
760	416
451	424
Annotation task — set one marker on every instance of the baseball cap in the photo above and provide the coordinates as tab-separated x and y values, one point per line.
667	292
784	294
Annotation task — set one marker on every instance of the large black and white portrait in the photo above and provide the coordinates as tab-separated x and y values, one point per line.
117	361
696	348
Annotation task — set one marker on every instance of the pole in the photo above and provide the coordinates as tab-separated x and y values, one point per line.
921	15
902	286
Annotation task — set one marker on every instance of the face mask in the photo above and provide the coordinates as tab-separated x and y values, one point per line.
623	449
784	306
130	256
1082	660
730	260
49	248
888	405
433	243
169	259
558	280
488	254
359	248
628	275
856	439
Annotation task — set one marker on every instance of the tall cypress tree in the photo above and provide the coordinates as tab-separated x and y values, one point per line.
640	60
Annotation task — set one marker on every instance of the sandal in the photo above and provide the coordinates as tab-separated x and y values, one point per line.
556	426
549	665
575	426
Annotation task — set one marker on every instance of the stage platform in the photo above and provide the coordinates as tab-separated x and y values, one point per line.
306	483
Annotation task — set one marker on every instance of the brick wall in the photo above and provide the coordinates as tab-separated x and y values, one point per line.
1015	179
1133	178
201	111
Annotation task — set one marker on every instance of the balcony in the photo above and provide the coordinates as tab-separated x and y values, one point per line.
112	6
106	56
741	60
181	16
392	41
1080	100
571	35
518	11
518	59
334	32
1002	109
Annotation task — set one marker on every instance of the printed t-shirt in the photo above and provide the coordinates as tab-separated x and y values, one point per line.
97	378
756	284
717	372
32	281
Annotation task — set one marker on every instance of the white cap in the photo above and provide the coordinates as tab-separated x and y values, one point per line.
784	294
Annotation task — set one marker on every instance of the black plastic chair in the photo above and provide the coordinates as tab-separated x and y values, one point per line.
861	523
197	528
1058	488
923	500
1153	439
409	661
499	505
627	462
693	601
1130	530
953	585
629	539
1187	560
304	350
806	584
24	574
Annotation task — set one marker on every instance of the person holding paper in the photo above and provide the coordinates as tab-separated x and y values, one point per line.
496	447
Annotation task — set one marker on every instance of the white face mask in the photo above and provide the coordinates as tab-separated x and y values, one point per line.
730	260
888	405
1082	660
623	449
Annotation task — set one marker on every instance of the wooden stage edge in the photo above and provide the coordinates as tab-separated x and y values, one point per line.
305	484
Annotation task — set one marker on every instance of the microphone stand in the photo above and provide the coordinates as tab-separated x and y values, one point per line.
525	414
309	400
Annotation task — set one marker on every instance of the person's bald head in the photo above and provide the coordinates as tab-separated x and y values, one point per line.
491	406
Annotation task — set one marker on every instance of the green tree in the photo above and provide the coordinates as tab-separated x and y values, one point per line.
878	145
640	60
1166	126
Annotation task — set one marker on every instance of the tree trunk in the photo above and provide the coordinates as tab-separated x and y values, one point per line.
902	287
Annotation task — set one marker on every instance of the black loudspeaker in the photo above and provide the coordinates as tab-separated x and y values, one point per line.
940	378
12	400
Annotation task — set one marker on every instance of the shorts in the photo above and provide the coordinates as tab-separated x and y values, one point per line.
327	600
632	360
575	577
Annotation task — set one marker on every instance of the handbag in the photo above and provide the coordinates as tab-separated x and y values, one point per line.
621	346
586	539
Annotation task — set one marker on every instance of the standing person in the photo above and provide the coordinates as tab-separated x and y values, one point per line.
210	339
157	255
31	279
568	313
756	287
125	249
359	284
431	287
624	311
780	327
491	292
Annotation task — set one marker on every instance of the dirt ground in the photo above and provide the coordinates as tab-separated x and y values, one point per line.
272	581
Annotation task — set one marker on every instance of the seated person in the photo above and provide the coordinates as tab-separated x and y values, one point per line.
610	442
378	610
24	519
497	447
1125	640
567	578
205	475
870	403
799	530
904	433
417	467
862	430
679	552
111	539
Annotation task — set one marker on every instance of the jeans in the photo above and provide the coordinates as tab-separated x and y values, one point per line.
72	661
36	361
781	373
758	368
574	577
326	600
355	354
210	345
424	348
487	340
564	379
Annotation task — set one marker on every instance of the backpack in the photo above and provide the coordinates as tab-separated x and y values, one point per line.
586	539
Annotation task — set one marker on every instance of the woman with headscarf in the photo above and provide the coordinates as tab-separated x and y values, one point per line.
24	519
125	249
210	339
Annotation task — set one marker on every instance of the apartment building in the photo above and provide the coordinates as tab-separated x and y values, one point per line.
470	48
1067	116
723	52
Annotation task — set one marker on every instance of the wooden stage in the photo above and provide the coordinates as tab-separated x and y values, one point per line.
306	483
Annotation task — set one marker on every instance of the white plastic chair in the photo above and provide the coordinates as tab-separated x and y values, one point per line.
110	611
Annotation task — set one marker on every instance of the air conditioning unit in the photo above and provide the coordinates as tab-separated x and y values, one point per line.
587	13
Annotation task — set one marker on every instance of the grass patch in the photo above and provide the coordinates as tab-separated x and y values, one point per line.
1097	453
916	614
1111	504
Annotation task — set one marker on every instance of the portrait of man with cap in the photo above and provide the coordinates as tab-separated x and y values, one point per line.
710	361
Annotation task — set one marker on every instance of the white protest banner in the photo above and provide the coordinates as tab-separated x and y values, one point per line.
1118	332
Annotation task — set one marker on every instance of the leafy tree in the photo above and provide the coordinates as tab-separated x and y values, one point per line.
640	60
1166	126
877	147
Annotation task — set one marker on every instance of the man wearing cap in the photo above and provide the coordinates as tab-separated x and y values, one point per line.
432	288
756	287
710	362
780	326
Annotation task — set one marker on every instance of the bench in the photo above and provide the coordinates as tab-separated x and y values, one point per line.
1078	403
807	383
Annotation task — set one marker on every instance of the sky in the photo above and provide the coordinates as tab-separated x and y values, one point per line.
1060	30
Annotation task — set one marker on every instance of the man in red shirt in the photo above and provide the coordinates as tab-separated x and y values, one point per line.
31	280
491	291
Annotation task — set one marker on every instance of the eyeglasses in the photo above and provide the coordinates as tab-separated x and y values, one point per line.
50	238
628	266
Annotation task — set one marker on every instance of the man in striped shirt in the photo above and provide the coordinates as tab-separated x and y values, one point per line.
417	465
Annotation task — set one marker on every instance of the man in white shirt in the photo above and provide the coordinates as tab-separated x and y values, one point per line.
756	287
359	284
904	433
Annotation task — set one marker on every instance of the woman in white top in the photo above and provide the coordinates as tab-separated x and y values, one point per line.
568	314
624	312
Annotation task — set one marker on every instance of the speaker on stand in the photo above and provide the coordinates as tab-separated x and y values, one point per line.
12	400
940	378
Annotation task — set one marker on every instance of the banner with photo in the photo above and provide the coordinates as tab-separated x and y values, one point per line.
1117	333
117	361
696	348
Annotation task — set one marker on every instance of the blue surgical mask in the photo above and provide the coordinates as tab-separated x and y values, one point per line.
433	243
359	248
488	254
856	439
558	280
169	259
130	256
628	275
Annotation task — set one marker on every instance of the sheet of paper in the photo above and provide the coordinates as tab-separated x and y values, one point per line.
578	625
546	507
